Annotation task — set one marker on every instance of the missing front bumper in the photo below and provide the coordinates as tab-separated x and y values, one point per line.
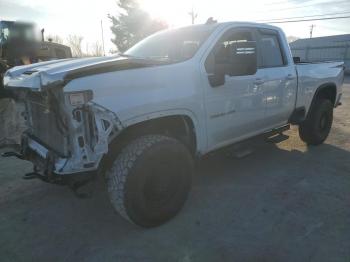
46	174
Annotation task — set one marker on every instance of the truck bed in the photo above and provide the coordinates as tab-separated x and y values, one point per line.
315	74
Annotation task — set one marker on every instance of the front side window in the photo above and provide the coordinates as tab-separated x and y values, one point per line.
220	54
270	50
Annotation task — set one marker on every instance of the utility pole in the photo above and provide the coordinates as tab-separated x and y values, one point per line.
193	15
103	40
311	30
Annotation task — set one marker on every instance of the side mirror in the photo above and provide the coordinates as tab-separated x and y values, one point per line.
234	59
218	77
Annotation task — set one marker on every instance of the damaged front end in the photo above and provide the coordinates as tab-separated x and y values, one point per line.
67	133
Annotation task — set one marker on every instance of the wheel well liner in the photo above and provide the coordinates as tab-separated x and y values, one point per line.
326	91
180	127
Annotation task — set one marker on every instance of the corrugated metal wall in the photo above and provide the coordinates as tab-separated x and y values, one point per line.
323	49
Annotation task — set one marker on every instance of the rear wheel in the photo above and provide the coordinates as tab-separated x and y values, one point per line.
315	129
150	180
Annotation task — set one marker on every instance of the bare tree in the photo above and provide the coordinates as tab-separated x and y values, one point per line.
87	50
74	42
96	49
55	39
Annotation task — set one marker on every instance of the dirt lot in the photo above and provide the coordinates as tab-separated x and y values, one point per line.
284	202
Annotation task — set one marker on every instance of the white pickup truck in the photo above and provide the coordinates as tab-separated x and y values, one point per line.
144	116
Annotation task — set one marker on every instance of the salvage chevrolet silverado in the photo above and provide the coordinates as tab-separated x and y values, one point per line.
144	116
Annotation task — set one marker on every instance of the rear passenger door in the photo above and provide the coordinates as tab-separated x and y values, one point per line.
279	79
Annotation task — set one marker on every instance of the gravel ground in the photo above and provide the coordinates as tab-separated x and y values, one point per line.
283	202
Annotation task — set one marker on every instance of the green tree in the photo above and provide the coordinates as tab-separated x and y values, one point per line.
132	24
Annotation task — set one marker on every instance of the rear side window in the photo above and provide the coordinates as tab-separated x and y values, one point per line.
271	54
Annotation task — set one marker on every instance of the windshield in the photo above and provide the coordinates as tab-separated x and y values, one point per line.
174	45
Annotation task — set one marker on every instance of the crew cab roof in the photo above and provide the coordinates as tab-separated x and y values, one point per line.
232	23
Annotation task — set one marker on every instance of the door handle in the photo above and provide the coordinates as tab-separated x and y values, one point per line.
258	81
289	77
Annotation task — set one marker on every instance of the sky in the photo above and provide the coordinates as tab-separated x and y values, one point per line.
83	17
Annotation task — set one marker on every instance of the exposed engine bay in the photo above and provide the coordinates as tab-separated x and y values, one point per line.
66	133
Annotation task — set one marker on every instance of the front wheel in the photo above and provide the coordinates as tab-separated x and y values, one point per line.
150	180
315	129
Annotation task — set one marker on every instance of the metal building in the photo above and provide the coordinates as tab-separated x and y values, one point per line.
328	48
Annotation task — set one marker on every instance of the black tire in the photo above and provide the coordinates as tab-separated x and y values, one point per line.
315	129
150	180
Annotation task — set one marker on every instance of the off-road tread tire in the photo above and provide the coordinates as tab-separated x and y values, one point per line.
308	129
121	168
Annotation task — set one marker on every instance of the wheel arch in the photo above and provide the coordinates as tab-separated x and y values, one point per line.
325	91
180	126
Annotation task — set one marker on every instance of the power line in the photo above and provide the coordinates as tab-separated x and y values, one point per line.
336	28
277	2
295	17
310	5
303	6
306	20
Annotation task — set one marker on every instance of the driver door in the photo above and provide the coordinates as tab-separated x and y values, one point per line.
234	109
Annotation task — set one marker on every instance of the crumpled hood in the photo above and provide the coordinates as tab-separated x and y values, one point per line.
42	75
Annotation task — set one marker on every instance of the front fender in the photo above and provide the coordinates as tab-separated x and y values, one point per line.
198	126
